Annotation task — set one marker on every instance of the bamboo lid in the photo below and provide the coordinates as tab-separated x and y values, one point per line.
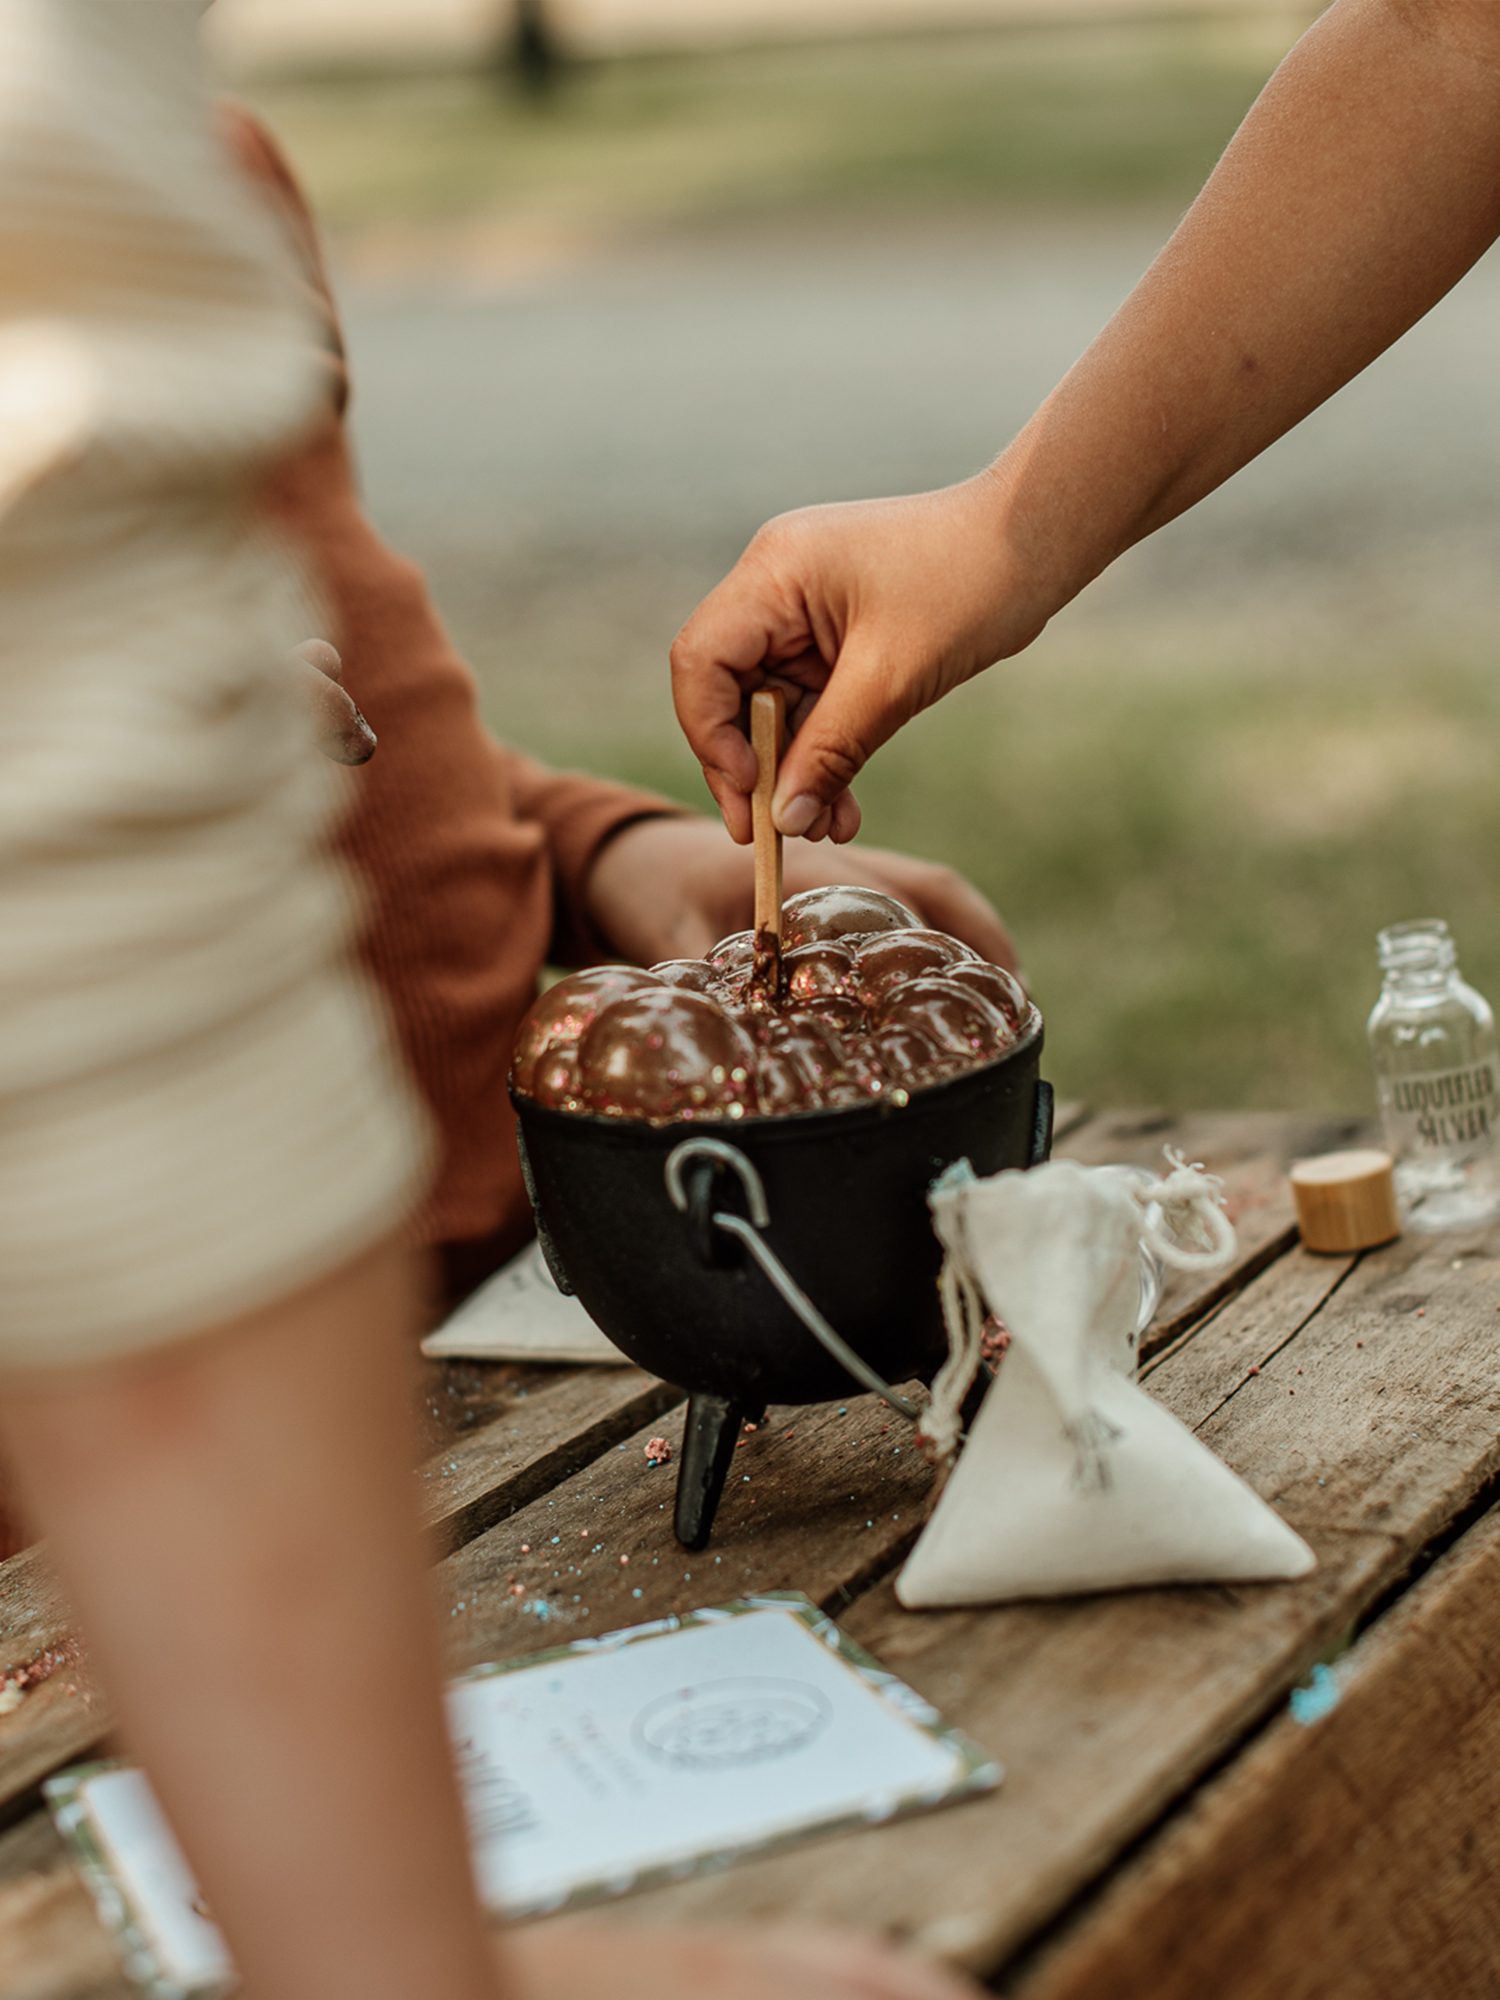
1346	1201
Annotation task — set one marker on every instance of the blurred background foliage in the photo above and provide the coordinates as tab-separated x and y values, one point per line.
1106	113
1211	781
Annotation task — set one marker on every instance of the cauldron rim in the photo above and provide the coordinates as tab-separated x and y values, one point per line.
767	1125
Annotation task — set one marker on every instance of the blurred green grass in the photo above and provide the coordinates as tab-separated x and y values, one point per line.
1195	841
1196	860
1113	113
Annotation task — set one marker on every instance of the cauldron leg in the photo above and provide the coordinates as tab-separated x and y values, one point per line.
708	1440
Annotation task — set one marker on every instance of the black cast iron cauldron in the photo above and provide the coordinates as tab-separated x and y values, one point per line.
846	1197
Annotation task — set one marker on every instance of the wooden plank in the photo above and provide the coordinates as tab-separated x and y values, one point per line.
1372	1835
1103	1712
62	1717
459	1395
821	1500
1396	1392
1220	1139
1249	1332
539	1440
33	1611
1250	1151
1106	1711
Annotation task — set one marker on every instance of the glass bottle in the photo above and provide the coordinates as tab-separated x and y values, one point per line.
1437	1074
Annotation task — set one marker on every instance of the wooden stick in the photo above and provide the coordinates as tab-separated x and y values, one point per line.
767	731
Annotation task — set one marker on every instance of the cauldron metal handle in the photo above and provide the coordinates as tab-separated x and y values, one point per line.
692	1151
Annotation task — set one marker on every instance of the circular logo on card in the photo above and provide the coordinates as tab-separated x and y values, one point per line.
732	1722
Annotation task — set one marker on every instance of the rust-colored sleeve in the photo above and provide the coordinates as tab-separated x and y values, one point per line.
475	856
577	814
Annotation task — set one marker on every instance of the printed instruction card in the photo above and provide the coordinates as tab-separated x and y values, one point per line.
592	1770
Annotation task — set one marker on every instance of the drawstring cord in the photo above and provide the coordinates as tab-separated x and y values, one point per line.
1189	1203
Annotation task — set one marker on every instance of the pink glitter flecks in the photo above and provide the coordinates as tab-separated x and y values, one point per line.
658	1452
994	1340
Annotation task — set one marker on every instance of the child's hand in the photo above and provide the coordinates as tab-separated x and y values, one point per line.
671	888
343	734
865	613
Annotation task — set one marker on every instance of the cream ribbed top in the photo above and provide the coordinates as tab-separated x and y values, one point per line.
197	1107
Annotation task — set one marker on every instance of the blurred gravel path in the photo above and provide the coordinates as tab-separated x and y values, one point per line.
577	454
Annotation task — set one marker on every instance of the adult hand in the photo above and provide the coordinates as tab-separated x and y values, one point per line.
671	888
746	1964
865	614
343	734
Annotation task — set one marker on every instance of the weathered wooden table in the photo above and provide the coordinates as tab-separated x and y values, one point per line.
1167	1826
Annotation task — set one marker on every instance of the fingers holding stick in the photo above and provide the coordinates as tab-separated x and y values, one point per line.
767	739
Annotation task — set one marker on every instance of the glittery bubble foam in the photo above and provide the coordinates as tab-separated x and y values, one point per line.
906	1059
957	1019
559	1019
666	1054
816	971
696	975
897	956
999	988
841	912
803	1065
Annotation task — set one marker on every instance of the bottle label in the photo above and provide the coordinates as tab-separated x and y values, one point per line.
1442	1110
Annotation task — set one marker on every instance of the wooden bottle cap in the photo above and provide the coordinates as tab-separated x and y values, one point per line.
1346	1201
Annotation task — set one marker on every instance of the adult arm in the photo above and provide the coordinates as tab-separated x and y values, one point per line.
1362	185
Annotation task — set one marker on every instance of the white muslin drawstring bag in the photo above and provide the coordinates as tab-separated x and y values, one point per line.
1074	1478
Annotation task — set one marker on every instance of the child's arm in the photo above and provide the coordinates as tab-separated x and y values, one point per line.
234	1518
1363	184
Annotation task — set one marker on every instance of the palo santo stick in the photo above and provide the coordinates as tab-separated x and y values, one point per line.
767	729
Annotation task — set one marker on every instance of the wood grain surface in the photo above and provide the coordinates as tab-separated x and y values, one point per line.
821	1500
1355	1854
542	1437
1108	1712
